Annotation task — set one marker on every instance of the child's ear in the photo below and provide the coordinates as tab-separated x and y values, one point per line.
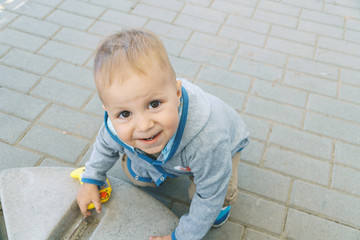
178	91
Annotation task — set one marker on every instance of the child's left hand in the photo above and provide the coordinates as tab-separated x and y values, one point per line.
167	237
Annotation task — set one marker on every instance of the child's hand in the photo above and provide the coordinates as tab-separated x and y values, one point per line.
88	193
167	237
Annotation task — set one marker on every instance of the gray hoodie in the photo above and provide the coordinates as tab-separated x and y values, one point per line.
209	134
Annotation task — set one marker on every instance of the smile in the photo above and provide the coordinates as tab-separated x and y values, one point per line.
151	140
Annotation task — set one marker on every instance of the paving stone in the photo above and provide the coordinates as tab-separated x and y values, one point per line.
61	92
123	5
208	56
353	24
294	35
313	67
352	36
257	70
321	17
78	38
54	143
337	206
51	3
251	234
342	11
300	225
71	121
279	93
169	30
95	106
28	61
204	13
321	29
225	78
346	179
173	47
347	154
196	23
48	162
275	18
231	97
350	76
274	111
154	12
65	52
73	74
174	5
232	7
279	8
228	231
214	43
123	19
35	26
258	212
16	79
70	20
262	55
6	17
263	182
21	40
333	128
12	128
302	141
82	8
4	49
259	128
334	107
29	108
339	45
289	47
184	66
104	28
241	35
311	83
298	165
248	24
15	157
253	152
29	8
345	3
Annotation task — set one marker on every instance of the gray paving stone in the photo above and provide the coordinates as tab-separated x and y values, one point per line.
347	154
342	11
15	157
199	54
61	92
302	141
310	83
337	206
21	40
225	78
350	76
334	107
51	3
70	20
289	47
232	7
174	5
6	17
28	61
4	49
71	121
82	8
313	67
274	111
300	225
259	128
248	24
333	128
228	231
263	182
258	212
197	24
297	165
345	3
65	52
242	35
12	128
352	36
78	38
321	29
54	143
123	5
94	106
16	79
173	47
346	179
321	17
353	24
253	152
123	19
279	93
275	18
349	93
258	70
310	4
251	234
293	35
262	55
336	58
29	108
35	26
168	30
231	97
104	28
48	162
204	13
214	43
154	12
29	8
184	67
279	8
73	74
339	45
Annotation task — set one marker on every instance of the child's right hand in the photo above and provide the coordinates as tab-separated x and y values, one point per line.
88	193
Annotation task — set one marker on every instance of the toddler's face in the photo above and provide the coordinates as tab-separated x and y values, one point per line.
144	108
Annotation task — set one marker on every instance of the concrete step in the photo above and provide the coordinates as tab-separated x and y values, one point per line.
40	203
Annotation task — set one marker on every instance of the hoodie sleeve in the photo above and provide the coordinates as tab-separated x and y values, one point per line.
103	157
212	172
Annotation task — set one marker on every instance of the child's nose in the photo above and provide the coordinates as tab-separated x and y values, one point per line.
144	123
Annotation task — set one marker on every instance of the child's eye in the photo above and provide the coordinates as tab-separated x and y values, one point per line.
154	104
124	114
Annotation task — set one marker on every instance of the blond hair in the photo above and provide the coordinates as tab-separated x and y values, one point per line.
130	48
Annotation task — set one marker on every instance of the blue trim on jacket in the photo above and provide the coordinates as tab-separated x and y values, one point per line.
92	181
173	237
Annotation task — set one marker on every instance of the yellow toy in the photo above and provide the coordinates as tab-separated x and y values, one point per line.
105	190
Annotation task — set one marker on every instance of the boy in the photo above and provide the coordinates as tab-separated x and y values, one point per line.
164	127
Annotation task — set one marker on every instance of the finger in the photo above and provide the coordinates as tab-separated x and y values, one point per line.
83	209
97	204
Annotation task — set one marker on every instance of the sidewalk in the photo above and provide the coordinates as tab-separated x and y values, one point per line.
291	68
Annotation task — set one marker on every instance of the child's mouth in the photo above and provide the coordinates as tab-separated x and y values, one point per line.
151	140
